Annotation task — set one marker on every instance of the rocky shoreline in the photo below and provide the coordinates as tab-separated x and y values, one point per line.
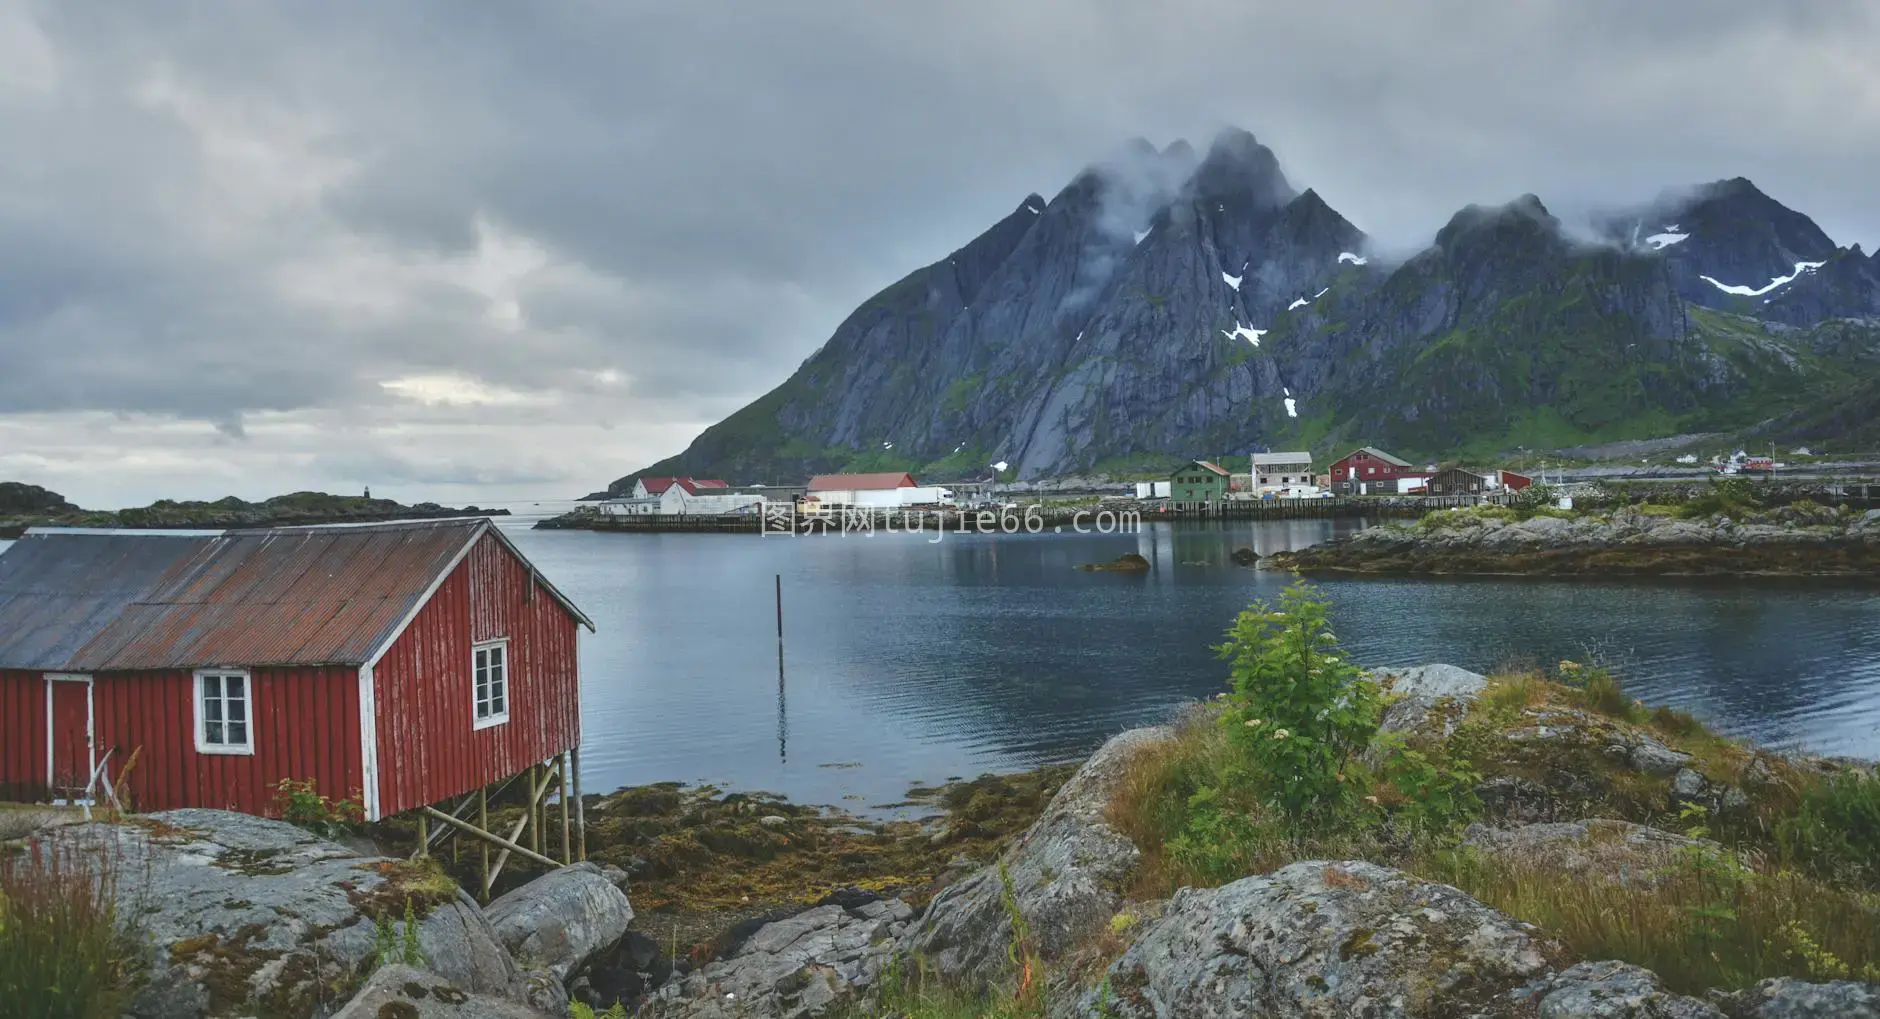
295	510
259	918
1799	540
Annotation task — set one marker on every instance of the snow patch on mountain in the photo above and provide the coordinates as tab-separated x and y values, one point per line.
1292	407
1298	302
1346	256
1231	281
1249	333
1747	291
1661	241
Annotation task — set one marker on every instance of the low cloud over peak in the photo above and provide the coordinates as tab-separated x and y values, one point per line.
514	253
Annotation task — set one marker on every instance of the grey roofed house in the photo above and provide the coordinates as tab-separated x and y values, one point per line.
1281	459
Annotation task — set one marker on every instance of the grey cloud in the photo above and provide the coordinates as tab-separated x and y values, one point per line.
214	211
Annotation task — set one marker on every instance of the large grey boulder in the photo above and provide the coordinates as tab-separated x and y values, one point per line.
1612	990
1321	939
794	967
249	916
562	920
1424	696
1788	998
1598	849
407	992
1066	873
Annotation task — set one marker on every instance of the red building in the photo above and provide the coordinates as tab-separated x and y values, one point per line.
1513	482
402	663
1371	471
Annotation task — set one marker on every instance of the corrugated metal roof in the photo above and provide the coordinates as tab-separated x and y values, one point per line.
874	481
79	602
1264	459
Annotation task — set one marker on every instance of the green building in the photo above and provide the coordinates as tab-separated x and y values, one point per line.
1199	481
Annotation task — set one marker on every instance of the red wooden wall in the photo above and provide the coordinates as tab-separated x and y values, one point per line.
305	720
22	735
306	725
428	750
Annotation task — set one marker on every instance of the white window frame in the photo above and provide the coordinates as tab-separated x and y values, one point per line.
196	698
486	721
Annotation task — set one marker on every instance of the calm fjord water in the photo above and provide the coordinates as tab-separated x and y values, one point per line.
909	661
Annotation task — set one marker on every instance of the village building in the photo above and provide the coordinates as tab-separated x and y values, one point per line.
1459	481
877	490
1371	471
398	664
687	497
648	488
1198	481
1278	472
1509	480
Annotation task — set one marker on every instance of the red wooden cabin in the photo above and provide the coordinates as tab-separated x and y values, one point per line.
1357	472
401	663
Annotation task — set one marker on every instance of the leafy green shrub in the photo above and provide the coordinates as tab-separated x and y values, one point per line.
1437	786
1835	830
63	954
1298	709
580	1010
301	804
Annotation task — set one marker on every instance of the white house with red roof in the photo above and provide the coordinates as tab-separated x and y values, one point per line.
672	496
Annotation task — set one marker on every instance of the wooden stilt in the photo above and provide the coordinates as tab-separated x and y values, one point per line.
475	832
483	822
424	837
536	789
580	812
561	793
540	776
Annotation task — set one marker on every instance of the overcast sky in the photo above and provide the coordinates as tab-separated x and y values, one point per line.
481	252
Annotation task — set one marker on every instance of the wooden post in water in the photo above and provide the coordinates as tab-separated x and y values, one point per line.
779	631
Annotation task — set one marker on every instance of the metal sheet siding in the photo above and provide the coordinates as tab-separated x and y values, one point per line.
306	725
22	735
429	750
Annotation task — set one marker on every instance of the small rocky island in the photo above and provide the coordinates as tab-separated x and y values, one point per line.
23	506
1798	540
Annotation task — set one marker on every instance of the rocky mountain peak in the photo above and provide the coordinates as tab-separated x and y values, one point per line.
1524	218
1238	166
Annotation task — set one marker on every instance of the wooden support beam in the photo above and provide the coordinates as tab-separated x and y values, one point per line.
536	789
424	833
561	793
483	822
580	811
474	832
537	774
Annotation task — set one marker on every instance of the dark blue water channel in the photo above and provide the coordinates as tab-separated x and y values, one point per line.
910	661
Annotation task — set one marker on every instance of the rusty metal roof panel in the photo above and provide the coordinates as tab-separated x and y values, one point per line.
284	596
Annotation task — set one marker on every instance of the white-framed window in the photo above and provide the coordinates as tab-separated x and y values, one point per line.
224	711
489	666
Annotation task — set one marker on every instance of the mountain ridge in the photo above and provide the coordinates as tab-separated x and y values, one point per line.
1162	306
